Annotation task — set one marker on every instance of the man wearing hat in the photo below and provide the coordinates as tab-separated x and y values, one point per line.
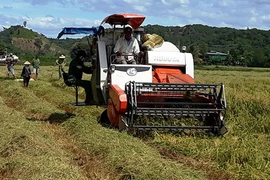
60	62
26	73
75	74
127	45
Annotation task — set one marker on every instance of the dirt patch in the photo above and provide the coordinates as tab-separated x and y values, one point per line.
6	171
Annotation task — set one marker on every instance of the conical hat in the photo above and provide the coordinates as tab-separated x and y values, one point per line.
62	57
26	62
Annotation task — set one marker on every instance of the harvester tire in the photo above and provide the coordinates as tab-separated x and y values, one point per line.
103	119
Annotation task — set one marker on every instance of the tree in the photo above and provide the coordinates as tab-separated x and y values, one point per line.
2	46
229	60
259	60
77	47
248	58
233	56
203	48
24	23
195	51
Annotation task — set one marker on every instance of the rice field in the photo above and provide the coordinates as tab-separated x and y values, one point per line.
42	136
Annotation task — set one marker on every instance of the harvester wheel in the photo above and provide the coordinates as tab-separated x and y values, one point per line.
104	120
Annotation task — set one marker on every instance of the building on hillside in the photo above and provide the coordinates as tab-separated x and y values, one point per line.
214	57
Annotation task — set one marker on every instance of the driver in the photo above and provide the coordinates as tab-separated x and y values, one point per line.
127	45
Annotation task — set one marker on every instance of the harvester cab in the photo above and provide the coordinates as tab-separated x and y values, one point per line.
159	94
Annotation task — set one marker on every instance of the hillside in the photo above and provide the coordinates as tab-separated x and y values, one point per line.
250	47
23	41
217	39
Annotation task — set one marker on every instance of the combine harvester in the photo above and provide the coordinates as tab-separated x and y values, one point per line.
158	95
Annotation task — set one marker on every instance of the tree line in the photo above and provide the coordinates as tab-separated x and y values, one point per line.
248	47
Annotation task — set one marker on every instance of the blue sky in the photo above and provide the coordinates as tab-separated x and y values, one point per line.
50	16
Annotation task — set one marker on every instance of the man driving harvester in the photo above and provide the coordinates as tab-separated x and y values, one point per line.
126	47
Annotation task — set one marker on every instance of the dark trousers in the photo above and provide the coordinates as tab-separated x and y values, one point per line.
60	72
88	90
26	81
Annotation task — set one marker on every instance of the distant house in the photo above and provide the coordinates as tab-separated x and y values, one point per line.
216	57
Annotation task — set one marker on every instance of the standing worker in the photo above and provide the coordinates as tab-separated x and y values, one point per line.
60	62
10	65
26	73
36	63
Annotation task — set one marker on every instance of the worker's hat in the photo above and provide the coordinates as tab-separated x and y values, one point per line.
127	30
62	57
27	63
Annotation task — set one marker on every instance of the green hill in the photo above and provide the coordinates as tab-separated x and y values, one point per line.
23	41
250	47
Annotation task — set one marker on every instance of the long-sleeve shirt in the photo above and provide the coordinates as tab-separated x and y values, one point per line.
127	47
61	62
77	68
10	62
26	71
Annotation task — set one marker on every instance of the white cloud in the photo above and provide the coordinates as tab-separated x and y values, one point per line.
252	20
164	2
52	15
140	8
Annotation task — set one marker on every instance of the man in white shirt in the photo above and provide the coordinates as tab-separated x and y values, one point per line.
10	65
60	62
126	47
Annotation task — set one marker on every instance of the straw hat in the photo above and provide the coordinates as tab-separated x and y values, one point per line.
62	57
26	62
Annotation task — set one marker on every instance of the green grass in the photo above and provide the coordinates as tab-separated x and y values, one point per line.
68	141
43	136
244	151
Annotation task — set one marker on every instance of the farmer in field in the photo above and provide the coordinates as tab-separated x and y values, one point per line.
26	73
75	73
60	62
10	65
36	63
